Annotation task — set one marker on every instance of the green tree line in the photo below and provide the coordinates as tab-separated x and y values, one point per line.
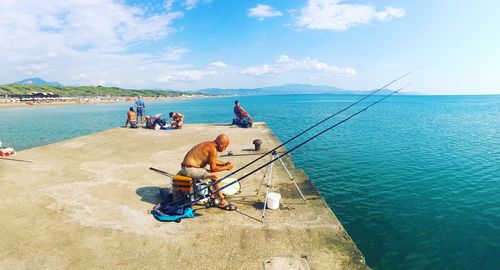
87	91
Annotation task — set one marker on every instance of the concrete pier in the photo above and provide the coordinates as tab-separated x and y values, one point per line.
84	204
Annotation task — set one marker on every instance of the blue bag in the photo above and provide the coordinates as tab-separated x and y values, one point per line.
176	216
160	210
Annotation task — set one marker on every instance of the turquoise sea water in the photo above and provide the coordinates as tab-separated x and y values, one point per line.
415	180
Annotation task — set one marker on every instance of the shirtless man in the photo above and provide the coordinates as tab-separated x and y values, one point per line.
204	154
131	117
177	119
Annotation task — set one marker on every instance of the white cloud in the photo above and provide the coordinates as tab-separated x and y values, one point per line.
334	15
218	64
58	40
190	4
263	11
283	59
174	53
168	4
286	64
51	55
34	67
390	13
185	76
104	25
82	76
261	70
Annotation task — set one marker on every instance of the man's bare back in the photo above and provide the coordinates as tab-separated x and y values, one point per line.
205	153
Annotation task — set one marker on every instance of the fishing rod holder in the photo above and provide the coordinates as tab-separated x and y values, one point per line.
269	182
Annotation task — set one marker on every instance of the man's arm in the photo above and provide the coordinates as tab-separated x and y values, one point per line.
217	165
222	163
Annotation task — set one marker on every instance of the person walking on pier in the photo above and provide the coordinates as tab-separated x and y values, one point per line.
204	154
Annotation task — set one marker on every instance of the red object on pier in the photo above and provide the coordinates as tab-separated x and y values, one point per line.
5	152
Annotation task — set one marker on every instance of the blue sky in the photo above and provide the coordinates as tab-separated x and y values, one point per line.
193	44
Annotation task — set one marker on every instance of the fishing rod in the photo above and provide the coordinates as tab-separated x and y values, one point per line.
161	172
284	154
300	134
230	154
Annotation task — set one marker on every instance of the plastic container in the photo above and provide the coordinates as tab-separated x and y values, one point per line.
273	200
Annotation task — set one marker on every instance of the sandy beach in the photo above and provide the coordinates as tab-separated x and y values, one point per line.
4	103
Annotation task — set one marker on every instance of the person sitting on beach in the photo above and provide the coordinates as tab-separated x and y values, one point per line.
131	117
140	106
204	154
242	118
177	120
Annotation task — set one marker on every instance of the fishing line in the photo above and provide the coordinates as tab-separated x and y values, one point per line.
300	134
284	154
269	116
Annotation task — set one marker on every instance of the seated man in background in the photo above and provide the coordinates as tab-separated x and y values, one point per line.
131	117
204	154
242	118
177	120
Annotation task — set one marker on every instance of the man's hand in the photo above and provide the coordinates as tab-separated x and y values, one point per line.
229	165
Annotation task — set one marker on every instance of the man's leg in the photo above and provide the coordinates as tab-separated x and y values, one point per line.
214	176
223	204
199	173
140	115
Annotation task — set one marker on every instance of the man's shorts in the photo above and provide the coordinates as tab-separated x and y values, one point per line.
195	173
140	112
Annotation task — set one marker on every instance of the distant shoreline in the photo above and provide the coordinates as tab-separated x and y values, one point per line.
90	100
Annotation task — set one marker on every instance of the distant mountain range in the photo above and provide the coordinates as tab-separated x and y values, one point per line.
286	89
295	89
37	81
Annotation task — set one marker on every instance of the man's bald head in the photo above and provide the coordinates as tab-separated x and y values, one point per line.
221	142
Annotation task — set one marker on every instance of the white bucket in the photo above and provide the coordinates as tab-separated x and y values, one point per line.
273	200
